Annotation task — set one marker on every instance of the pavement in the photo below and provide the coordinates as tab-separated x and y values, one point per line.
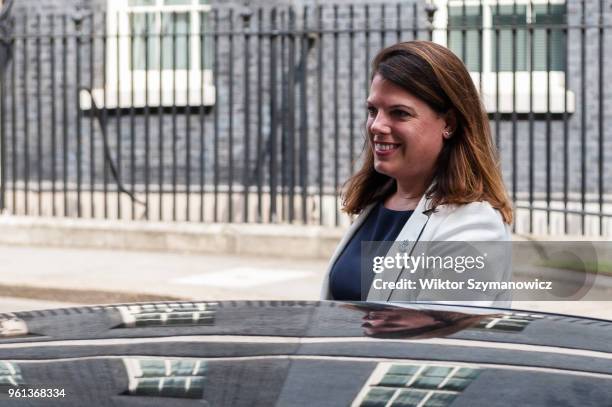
87	276
45	277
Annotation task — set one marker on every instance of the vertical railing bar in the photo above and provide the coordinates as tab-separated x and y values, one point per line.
283	117
92	138
383	28
14	127
188	121
321	128
230	134
398	22
566	84
132	120
367	48
514	115
463	32
497	82
247	117
304	117
481	50
79	115
350	86
583	128
173	111
26	111
201	108
548	123
449	24
216	116
39	155
415	22
105	168
160	118
601	65
259	145
336	121
273	115
531	120
430	29
65	116
291	114
3	136
147	116
53	112
118	118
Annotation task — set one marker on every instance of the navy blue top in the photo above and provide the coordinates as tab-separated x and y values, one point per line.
382	224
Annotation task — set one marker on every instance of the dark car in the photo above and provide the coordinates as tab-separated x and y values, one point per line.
253	353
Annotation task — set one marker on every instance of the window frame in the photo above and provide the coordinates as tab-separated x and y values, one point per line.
520	80
126	87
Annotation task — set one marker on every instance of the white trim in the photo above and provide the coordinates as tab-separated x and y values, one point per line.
510	101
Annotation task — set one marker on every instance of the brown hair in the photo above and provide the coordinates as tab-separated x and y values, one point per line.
444	323
467	169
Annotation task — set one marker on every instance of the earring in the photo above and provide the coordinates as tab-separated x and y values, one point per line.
446	133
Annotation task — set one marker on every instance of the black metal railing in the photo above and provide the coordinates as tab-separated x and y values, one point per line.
236	115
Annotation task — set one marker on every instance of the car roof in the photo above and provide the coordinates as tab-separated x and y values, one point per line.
309	353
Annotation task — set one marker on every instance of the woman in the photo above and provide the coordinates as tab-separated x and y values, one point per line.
383	321
430	171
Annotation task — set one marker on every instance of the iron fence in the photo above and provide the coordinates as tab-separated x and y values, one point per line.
238	115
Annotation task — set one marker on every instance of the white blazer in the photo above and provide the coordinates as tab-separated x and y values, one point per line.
476	221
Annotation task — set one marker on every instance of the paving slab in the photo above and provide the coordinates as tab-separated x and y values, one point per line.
188	276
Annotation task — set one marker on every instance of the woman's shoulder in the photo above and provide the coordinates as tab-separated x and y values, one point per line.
476	221
483	208
480	208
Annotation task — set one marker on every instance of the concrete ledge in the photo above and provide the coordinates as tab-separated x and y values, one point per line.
288	241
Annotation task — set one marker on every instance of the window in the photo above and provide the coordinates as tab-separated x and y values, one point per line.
182	314
514	322
424	385
10	374
506	44
155	377
180	23
158	53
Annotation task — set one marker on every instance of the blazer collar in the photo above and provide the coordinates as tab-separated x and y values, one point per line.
417	221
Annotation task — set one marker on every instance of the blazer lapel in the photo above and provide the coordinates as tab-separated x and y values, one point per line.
405	242
326	292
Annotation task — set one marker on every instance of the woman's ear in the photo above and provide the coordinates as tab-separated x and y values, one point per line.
451	124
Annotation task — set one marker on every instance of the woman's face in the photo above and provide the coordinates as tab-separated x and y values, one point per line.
406	135
395	320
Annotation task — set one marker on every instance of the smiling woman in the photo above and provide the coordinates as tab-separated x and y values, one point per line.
430	171
406	136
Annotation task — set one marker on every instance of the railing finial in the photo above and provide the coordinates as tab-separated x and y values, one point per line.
430	9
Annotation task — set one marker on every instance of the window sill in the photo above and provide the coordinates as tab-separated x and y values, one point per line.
515	93
110	97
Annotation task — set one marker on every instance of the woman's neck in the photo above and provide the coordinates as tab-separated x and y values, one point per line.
405	198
